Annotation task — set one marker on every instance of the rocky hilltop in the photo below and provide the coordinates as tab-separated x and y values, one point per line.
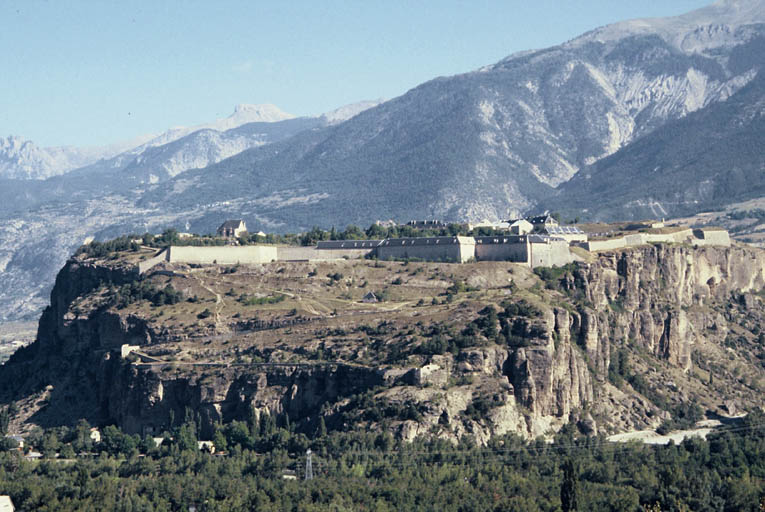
627	339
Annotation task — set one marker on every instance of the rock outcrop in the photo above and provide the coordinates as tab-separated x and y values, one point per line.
544	361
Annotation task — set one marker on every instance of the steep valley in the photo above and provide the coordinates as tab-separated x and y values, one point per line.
623	340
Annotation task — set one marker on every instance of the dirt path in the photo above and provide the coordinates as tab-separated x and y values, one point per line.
219	302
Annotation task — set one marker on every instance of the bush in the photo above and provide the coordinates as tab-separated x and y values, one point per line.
256	301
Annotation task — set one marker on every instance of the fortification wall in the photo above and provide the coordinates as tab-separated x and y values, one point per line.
227	255
147	265
550	254
696	237
712	237
604	245
676	237
445	252
313	254
517	252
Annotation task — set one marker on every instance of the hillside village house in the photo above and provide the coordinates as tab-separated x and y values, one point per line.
232	228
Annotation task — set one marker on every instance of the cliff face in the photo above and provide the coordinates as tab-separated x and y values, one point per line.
661	298
533	360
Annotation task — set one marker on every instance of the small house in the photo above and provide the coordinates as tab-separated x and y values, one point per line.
232	228
370	298
95	435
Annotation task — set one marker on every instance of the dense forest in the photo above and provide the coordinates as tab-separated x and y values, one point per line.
371	471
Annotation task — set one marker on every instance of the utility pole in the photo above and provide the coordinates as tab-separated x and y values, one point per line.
308	466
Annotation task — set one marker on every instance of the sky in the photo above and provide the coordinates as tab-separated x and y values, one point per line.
97	72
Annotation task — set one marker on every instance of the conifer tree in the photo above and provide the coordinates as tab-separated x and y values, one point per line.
569	489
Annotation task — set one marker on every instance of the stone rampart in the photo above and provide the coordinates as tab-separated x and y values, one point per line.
711	237
226	255
314	254
695	236
554	253
147	265
513	248
604	245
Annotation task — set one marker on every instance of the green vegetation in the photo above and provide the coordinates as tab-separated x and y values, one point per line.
259	301
137	291
372	471
104	249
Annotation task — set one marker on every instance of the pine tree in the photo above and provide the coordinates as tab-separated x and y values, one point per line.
569	489
5	420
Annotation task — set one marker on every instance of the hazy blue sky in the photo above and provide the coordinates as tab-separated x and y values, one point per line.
100	71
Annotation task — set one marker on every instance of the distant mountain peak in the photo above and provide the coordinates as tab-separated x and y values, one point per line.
677	29
261	113
351	110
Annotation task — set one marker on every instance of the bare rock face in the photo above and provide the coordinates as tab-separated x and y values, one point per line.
550	376
646	297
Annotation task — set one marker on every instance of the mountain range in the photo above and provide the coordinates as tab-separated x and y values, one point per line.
653	117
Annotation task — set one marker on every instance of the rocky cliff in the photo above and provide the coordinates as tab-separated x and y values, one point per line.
615	343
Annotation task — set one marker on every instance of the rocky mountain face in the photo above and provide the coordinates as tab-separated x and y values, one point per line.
643	118
620	342
704	161
502	138
22	159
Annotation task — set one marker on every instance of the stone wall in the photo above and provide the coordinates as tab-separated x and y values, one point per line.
552	253
288	253
697	237
513	248
147	265
227	255
711	237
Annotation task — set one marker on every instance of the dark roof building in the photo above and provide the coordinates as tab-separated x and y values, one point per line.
543	221
232	228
